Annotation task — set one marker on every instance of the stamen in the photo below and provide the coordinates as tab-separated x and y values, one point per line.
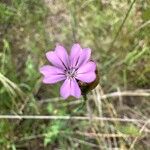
71	73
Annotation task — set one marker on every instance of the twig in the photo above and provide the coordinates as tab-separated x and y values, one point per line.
144	93
141	27
86	3
32	137
35	117
104	135
82	142
126	93
140	132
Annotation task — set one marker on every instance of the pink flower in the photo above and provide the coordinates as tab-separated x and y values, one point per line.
69	68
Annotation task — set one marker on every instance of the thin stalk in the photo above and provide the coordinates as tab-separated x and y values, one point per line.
122	24
40	117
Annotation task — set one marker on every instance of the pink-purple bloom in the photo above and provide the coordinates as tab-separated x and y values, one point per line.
69	68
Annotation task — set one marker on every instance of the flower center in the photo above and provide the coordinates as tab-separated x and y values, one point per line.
71	73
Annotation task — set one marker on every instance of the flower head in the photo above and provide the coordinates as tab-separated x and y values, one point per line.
69	68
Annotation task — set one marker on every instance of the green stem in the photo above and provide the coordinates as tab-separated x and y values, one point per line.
121	26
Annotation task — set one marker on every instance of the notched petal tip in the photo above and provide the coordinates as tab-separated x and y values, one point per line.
43	69
49	54
84	57
45	81
58	58
59	46
76	46
70	88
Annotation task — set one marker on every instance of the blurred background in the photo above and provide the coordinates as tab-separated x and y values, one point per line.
118	32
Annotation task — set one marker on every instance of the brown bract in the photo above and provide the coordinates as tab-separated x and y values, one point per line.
87	87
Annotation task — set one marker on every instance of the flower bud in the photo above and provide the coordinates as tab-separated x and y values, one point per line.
87	87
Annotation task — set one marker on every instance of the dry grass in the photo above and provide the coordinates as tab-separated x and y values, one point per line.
116	114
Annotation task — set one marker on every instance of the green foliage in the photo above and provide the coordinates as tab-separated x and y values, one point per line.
5	129
29	28
129	129
31	72
6	13
52	131
135	55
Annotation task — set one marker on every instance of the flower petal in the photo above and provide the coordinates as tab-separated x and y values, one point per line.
50	70
70	87
84	56
52	74
59	57
53	58
88	67
86	77
86	73
53	79
74	54
63	55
